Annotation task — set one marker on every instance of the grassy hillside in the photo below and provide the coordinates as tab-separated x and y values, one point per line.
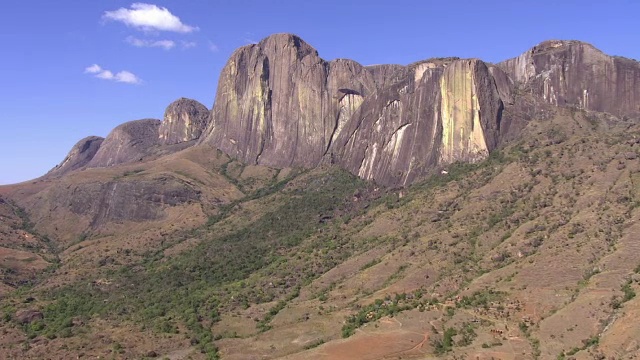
529	254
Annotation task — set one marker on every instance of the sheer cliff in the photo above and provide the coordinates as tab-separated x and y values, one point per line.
279	104
574	73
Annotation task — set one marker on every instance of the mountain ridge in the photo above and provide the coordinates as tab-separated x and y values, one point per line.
268	113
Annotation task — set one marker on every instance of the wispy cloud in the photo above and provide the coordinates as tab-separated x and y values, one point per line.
121	76
93	69
148	17
189	44
165	44
213	47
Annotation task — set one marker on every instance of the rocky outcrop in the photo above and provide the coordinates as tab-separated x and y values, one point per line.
470	111
573	73
140	200
448	110
280	104
387	75
79	156
129	142
271	104
184	120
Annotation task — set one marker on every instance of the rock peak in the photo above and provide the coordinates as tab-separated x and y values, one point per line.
281	41
184	120
575	73
551	45
79	156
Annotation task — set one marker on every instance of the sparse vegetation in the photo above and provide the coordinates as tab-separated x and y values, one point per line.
628	291
446	343
389	306
371	263
263	258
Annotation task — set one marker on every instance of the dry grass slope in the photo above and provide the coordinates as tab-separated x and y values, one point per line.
530	254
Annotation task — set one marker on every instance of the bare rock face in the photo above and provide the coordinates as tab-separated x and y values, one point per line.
184	120
140	200
79	156
129	142
269	103
387	75
573	73
470	111
279	104
444	110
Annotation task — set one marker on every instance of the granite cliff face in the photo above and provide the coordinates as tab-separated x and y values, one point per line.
444	110
279	104
573	73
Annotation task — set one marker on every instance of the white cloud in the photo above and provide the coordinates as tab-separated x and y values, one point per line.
148	17
189	44
93	69
127	77
121	76
213	47
105	74
165	44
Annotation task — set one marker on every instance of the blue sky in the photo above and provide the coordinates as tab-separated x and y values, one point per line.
149	54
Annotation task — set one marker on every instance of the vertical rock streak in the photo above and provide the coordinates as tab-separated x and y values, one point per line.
462	134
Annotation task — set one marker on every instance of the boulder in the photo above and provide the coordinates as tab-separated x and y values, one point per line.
28	316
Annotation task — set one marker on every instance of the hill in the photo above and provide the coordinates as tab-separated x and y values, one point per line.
502	227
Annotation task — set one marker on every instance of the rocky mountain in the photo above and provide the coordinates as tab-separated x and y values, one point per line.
128	142
135	141
279	104
325	209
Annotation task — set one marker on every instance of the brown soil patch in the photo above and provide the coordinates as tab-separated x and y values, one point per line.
389	340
